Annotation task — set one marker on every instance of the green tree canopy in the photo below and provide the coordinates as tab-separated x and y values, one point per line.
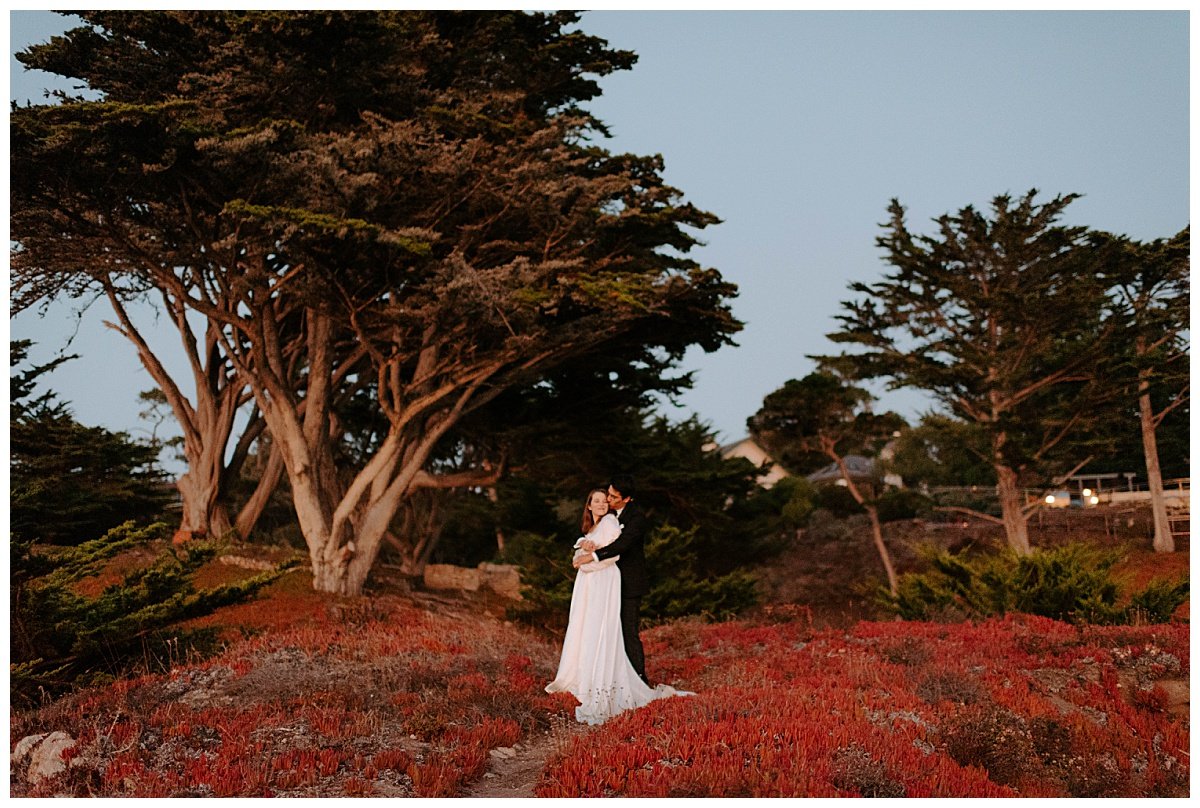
943	451
69	482
1001	318
1151	296
410	202
809	421
822	415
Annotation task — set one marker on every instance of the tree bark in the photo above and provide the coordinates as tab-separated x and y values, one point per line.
207	424
343	526
200	488
884	555
1164	542
248	517
204	515
1012	509
872	514
432	535
494	498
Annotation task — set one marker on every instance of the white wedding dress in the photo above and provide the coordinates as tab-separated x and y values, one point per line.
593	667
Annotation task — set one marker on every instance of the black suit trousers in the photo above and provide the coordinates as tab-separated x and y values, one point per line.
630	608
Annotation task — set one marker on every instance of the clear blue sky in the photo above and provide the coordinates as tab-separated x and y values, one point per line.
797	128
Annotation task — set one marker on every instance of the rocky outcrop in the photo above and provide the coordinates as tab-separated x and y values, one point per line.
502	579
45	753
448	576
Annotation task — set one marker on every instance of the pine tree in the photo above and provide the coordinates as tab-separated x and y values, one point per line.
69	481
62	638
1151	291
1001	320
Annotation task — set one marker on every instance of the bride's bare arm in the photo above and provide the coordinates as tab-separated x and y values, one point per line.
595	566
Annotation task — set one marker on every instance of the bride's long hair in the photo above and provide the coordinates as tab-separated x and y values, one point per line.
588	521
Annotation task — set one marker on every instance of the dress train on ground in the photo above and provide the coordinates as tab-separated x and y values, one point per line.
593	666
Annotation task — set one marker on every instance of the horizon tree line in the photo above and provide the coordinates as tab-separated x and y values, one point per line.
1041	344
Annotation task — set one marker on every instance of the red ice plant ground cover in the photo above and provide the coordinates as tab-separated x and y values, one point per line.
379	697
1020	706
359	698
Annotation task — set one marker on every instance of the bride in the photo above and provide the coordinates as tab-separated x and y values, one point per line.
593	667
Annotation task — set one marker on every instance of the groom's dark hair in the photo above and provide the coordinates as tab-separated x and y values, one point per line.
623	484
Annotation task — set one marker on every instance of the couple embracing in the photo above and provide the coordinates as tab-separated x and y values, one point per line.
603	664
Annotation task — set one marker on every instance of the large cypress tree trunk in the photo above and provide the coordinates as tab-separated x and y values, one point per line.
202	490
314	512
343	556
207	424
203	513
1012	509
343	526
1008	490
1164	542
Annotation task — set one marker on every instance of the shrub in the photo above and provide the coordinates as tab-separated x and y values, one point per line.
838	500
62	638
798	500
679	587
1157	602
855	770
993	739
547	576
902	503
1067	583
910	651
1051	740
1073	583
946	684
826	526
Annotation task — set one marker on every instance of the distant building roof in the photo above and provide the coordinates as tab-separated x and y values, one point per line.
859	468
749	449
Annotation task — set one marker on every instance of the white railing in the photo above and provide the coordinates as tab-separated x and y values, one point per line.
1177	484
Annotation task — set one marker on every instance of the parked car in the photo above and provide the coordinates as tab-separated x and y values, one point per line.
1071	499
1058	499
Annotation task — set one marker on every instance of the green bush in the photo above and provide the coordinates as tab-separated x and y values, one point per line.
796	499
62	639
547	576
1158	601
678	585
903	503
679	588
1072	582
838	500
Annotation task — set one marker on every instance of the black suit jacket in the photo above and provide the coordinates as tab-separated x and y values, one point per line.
630	546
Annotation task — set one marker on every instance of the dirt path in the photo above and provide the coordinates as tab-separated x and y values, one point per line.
515	770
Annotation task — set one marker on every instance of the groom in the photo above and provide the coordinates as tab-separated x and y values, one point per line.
632	563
